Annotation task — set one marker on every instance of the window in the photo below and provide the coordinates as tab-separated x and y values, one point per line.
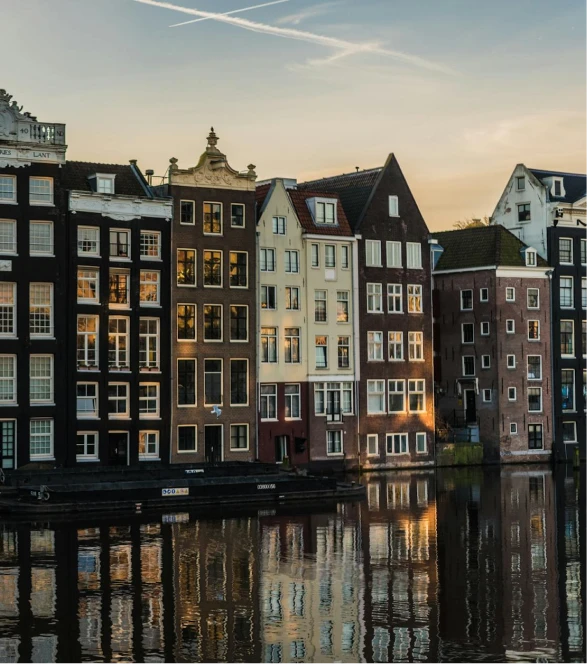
394	298
41	238
41	191
268	298
212	382
414	299
325	213
523	211
583	251
485	361
118	342
119	243
467	333
292	262
566	293
212	218
105	184
7	379
466	300
393	206
584	336
119	288
484	294
186	267
513	428
568	389
269	344
567	338
533	298
343	351
292	298
416	346
292	401
511	361
268	402
239	322
510	294
569	430
374	298
512	393
320	306
421	443
535	399
321	352
212	268
534	367
239	437
334	442
150	245
86	446
279	225
7	309
88	241
468	365
41	439
239	382
88	286
533	330
584	292
328	398
186	212
396	443
7	235
148	445
345	259
41	310
486	395
375	397
267	260
186	382
565	251
212	322
396	346
149	343
7	188
292	345
149	288
372	444
329	256
397	396
530	258
186	322
510	326
237	215
87	346
374	346
484	329
41	378
394	254
315	251
87	400
520	183
238	269
373	253
118	399
535	436
414	255
187	438
416	396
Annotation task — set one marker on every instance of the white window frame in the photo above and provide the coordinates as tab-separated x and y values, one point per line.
279	225
149	414
8	310
485	361
321	337
126	399
530	257
537	290
195	310
265	290
417	391
373	253
535	387
510	294
466	290
414	256
149	283
145	243
193	206
10	250
345	257
397	341
393	204
570	241
50	250
481	293
94	230
317	299
288	264
572	322
395	294
120	231
85	457
122	273
291	398
267	398
513	428
343	312
195	429
83	414
528	369
266	337
419	436
510	326
528	326
374	295
239	424
511	361
375	346
34	201
376	388
332	434
487	393
38	307
264	252
393	254
204	338
470	357
485	326
213	251
512	393
222	395
48	379
212	233
415	297
393	388
146	455
7	199
315	256
232	224
152	344
402	439
416	346
49	456
574	440
10	381
469	326
118	351
370	438
287	336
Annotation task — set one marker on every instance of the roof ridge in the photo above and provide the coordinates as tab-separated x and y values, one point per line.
340	175
543	170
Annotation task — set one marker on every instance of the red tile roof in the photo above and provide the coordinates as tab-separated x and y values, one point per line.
261	192
299	198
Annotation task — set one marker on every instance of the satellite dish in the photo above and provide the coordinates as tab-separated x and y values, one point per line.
216	411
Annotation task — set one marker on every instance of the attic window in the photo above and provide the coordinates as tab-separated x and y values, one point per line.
393	206
105	184
520	183
530	258
557	187
325	213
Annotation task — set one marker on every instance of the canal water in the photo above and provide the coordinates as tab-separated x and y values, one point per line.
460	565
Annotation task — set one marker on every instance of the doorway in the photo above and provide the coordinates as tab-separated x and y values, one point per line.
8	444
213	443
118	448
280	448
470	407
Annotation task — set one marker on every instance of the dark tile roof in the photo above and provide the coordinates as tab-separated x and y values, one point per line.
575	184
480	247
261	192
299	198
76	173
354	190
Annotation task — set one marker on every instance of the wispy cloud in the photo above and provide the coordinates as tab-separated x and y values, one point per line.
234	11
304	14
350	48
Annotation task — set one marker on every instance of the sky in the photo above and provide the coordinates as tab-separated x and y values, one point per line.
460	90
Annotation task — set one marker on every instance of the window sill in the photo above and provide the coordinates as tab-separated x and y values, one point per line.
42	458
396	454
149	458
186	285
378	413
423	360
36	404
213	341
213	286
396	359
369	311
88	460
186	405
293	419
87	368
3	201
10	404
121	259
41	203
146	416
239	341
147	370
120	418
149	305
152	259
239	449
41	337
88	302
239	405
41	255
273	419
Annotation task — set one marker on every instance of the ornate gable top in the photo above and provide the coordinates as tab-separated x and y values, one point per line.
16	126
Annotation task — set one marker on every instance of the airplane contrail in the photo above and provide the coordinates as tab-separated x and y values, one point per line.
350	48
234	11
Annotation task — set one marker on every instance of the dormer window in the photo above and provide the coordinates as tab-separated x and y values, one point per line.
393	206
520	183
325	213
102	183
530	258
557	187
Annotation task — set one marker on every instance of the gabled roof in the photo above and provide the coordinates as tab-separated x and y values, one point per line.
261	192
76	173
353	189
299	198
575	184
481	247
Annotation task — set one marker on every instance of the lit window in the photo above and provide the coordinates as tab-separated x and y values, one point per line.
414	299
567	332
186	267
41	191
239	322
212	322
416	396
88	241
396	346
321	343
212	268
212	218
343	346
119	288
88	286
148	445
150	245
342	307
186	322
533	330
149	288
292	345
269	345
7	309
320	306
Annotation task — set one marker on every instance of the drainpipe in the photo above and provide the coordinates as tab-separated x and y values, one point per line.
432	242
257	337
356	341
549	274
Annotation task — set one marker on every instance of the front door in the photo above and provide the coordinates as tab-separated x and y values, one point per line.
213	435
470	407
280	448
118	448
8	444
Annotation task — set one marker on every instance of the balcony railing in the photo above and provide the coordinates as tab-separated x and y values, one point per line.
41	132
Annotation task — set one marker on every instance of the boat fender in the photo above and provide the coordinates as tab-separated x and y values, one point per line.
43	492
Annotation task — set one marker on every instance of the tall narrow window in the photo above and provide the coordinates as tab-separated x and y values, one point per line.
118	400
239	322
119	288
329	256
88	286
239	382
278	225
148	400
523	212
414	299
534	367
213	218
238	269
150	245
467	333
41	238
7	236
374	346
41	378
567	299
186	212
396	346
119	243
213	382
393	206
269	344
394	254
186	322
344	346
41	310
565	250
186	382
414	255
416	345
212	322
394	298
7	309
375	298
268	402
41	439
149	343
315	253
8	188
320	306
375	397
397	396
149	288
237	215
87	401
186	267
568	389
267	260
212	268
466	300
118	342
268	297
292	298
416	396
535	436
373	253
535	399
345	261
533	298
292	345
321	352
334	442
292	262
292	401
342	307
7	379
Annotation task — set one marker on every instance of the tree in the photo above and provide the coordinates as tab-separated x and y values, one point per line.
471	223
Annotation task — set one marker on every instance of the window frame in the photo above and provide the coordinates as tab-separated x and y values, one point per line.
287	262
234	404
214	318
180	388
393	205
12	380
181	212
416	342
484	395
50	400
332	433
536	426
471	327
572	338
12	200
156	283
416	392
85	457
510	294
267	288
528	367
247	434
374	296
50	202
464	359
425	435
51	316
83	415
370	437
118	272
512	393
571	290
265	398
298	394
462	300
232	215
277	227
396	342
540	395
96	230
194	428
220	263
396	383
49	253
95	279
125	257
379	393
570	251
485	361
10	223
117	350
488	328
146	338
231	318
288	350
508	363
411	248
403	441
213	233
118	415
416	297
49	456
230	266
395	292
266	336
370	246
177	319
535	291
214	359
146	455
144	233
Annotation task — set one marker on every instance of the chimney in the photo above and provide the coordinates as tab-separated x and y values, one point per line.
149	173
